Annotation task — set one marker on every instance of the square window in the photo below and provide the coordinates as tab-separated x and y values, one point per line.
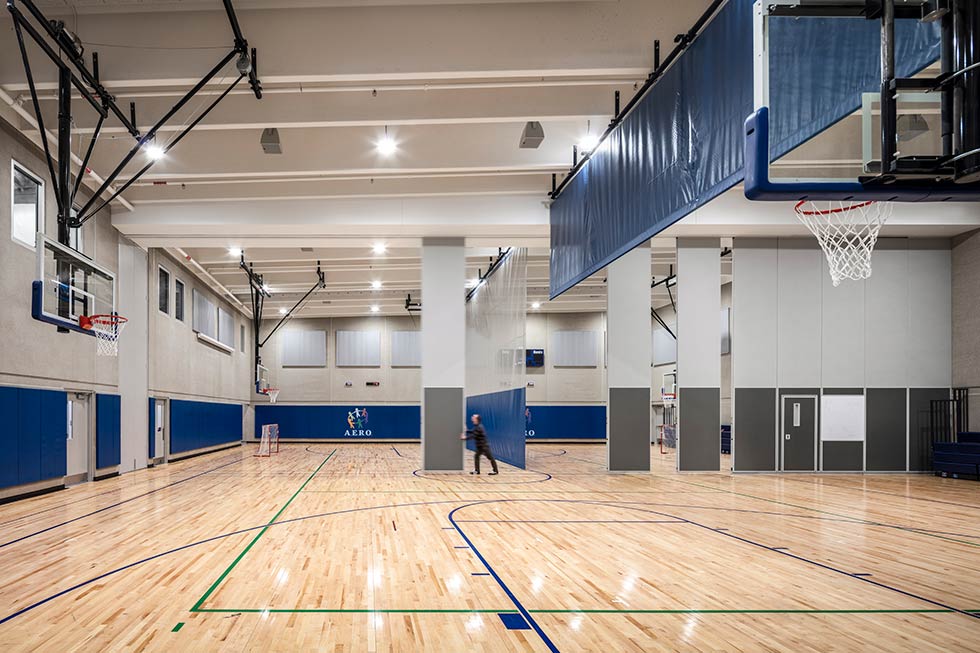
27	206
164	291
179	299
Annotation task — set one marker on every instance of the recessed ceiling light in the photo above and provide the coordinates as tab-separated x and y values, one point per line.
376	284
375	308
154	152
536	305
386	144
282	311
380	248
235	251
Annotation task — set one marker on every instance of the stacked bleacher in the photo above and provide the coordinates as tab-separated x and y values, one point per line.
958	459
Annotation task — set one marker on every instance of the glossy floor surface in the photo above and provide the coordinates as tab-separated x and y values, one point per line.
350	548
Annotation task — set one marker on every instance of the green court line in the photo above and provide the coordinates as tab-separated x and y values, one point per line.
579	611
177	627
214	586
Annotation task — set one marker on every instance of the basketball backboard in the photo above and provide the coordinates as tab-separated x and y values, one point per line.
69	285
820	128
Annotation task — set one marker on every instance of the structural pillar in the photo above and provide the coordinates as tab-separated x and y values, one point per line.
443	353
628	337
699	354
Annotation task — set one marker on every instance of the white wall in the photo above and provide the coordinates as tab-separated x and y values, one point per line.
890	331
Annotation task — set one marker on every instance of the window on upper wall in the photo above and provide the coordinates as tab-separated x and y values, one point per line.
164	291
27	206
241	338
179	299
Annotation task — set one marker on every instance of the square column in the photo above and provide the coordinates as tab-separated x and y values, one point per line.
699	354
628	336
443	352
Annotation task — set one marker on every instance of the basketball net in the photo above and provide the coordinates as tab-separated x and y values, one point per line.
106	329
273	394
847	233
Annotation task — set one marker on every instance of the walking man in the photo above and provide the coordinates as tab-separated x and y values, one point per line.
479	434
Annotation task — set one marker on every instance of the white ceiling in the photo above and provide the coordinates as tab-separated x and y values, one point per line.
454	81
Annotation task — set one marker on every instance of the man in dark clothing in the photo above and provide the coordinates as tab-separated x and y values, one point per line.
479	434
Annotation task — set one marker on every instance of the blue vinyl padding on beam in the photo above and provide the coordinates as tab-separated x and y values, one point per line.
201	424
33	441
683	144
342	422
503	418
565	422
107	430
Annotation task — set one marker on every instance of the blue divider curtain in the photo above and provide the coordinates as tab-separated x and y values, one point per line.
496	314
682	145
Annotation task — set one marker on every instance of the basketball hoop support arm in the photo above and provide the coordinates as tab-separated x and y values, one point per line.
64	50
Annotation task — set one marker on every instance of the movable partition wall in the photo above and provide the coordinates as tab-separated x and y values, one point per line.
496	316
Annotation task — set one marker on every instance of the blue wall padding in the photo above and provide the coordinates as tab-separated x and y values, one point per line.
683	144
107	435
565	423
152	427
503	418
200	424
33	440
334	422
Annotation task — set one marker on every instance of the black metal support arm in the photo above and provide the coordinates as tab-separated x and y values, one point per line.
64	51
319	285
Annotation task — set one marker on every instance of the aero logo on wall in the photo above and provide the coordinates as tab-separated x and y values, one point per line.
357	421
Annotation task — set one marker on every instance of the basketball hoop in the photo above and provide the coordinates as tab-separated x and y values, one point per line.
847	233
107	329
273	394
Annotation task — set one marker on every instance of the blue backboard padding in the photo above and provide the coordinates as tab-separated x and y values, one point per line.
565	423
33	441
341	422
151	445
683	144
107	430
503	418
200	424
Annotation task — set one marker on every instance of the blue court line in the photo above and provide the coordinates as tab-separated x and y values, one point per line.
570	521
547	476
95	512
527	615
222	536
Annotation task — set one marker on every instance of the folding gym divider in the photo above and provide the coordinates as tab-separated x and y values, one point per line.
496	317
682	144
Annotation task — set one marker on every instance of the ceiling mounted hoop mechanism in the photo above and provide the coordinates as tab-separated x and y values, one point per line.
847	233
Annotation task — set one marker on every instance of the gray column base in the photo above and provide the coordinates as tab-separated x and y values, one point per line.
442	422
699	430
629	429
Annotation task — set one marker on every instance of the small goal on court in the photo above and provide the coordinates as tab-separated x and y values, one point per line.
269	444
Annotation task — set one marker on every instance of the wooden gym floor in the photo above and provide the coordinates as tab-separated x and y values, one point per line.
348	548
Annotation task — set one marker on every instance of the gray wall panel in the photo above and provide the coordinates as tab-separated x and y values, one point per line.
629	429
886	315
754	433
885	434
801	270
699	429
843	456
842	335
755	328
920	452
442	415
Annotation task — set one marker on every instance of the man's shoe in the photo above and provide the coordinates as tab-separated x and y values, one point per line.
492	474
472	473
